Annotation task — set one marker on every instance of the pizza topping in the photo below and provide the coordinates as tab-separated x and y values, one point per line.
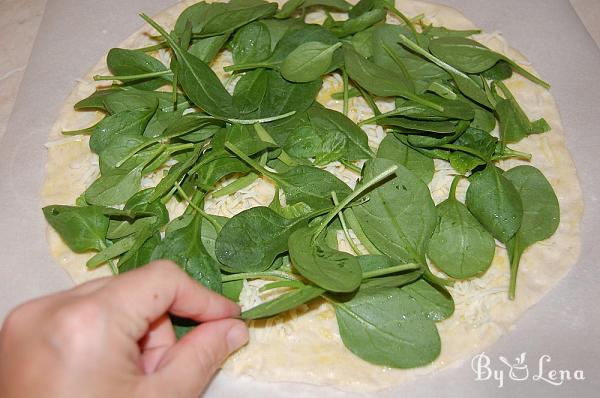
180	136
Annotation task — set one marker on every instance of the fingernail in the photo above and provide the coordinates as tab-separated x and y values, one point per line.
237	336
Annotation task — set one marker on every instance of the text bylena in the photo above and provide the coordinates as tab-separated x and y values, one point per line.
519	370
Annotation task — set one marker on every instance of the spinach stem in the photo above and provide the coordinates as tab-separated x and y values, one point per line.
357	192
254	65
134	77
368	99
391	270
260	120
351	242
514	268
453	186
251	162
154	47
235	186
264	135
358	231
200	211
351	166
346	100
277	275
278	284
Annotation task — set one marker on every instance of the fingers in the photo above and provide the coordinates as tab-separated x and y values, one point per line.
194	359
156	343
141	296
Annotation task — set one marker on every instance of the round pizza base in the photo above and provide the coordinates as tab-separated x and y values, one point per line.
304	345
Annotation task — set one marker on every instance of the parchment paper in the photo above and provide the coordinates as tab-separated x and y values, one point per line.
565	324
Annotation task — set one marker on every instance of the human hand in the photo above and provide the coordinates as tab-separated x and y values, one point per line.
112	337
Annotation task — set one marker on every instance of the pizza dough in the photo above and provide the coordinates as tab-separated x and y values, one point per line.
303	345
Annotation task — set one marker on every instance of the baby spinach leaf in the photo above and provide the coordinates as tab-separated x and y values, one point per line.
372	262
227	17
500	71
282	96
198	80
356	24
436	302
122	62
460	246
140	254
233	289
283	303
481	142
330	269
514	123
96	99
393	149
472	57
464	83
330	121
111	251
386	326
207	49
157	216
307	184
398	280
115	188
184	247
541	214
123	123
252	239
495	202
400	216
250	90
81	228
308	62
252	43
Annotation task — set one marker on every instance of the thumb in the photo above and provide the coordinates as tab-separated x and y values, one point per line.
188	366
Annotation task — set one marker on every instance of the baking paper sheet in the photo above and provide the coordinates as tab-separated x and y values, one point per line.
565	325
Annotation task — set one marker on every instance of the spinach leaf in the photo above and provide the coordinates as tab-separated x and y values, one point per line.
198	80
514	123
226	17
495	202
252	239
140	254
393	149
156	216
207	49
329	269
436	302
252	43
250	91
307	184
282	96
333	122
400	216
481	145
541	215
283	303
464	83
122	62
115	188
472	57
460	246
184	247
122	123
308	62
356	24
386	326
81	228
